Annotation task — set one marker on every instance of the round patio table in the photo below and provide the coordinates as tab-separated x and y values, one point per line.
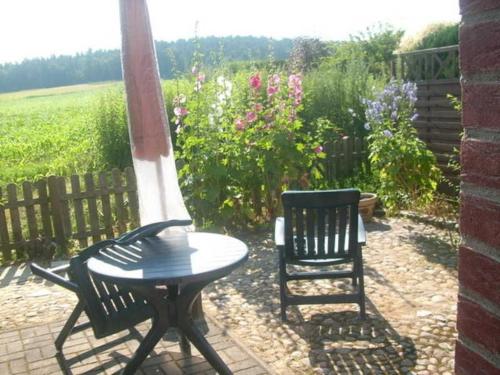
170	271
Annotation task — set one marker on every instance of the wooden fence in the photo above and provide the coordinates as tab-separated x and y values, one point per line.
35	218
344	158
38	217
436	73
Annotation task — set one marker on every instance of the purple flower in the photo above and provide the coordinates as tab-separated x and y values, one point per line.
388	133
414	117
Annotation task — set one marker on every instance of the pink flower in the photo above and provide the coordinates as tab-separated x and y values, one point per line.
258	107
271	90
251	116
294	80
318	149
180	111
201	77
255	81
274	80
239	124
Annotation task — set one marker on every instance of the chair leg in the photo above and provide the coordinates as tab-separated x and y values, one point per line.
68	326
362	308
282	281
355	274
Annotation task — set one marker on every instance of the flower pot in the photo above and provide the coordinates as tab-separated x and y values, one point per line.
366	205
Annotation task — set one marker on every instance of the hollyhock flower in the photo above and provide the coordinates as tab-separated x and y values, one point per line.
251	116
194	69
239	124
180	111
255	81
274	80
318	149
179	99
271	90
201	77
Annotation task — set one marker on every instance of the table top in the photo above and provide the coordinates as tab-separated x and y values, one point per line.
170	259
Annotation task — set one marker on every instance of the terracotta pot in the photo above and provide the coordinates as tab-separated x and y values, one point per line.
367	205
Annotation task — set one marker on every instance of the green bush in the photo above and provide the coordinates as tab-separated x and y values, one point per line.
334	91
433	36
405	171
110	123
241	144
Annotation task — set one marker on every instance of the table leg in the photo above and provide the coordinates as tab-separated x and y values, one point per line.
199	341
160	324
147	345
185	322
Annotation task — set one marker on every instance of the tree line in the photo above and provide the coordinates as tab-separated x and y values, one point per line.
105	65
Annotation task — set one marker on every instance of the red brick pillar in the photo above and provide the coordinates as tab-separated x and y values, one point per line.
478	321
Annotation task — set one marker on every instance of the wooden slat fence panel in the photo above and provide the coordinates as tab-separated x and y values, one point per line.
55	210
437	74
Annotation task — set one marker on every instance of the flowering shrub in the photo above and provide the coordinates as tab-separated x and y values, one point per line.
240	145
406	171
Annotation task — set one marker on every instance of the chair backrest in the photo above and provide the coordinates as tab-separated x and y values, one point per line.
109	307
320	224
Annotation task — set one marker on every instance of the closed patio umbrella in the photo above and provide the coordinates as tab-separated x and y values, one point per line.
159	194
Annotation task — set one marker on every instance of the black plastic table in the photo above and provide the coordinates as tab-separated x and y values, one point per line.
170	271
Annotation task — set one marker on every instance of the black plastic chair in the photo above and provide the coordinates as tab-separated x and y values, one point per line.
321	228
110	308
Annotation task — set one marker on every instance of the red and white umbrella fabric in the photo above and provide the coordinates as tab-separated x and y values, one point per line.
160	197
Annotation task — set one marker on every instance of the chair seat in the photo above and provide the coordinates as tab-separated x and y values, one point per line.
319	262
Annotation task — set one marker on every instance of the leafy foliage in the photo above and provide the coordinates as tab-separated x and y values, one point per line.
241	143
433	36
405	170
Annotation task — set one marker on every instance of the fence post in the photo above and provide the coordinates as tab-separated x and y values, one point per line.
15	219
57	209
4	233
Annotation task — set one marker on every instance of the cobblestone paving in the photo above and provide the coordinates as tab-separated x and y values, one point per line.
411	288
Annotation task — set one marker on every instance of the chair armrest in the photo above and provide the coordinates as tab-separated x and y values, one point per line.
51	276
60	269
279	231
361	231
150	230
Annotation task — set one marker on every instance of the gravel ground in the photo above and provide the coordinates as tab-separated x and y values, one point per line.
411	289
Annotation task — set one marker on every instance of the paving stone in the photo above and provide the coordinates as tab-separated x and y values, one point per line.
411	288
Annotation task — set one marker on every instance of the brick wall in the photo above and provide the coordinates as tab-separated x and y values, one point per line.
478	322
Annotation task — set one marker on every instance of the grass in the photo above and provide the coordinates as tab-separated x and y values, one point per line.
48	131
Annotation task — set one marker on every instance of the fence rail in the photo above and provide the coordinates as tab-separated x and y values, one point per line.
38	217
427	64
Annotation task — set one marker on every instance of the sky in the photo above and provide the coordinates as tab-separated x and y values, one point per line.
41	28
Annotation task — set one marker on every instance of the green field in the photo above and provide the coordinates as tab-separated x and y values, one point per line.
48	131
